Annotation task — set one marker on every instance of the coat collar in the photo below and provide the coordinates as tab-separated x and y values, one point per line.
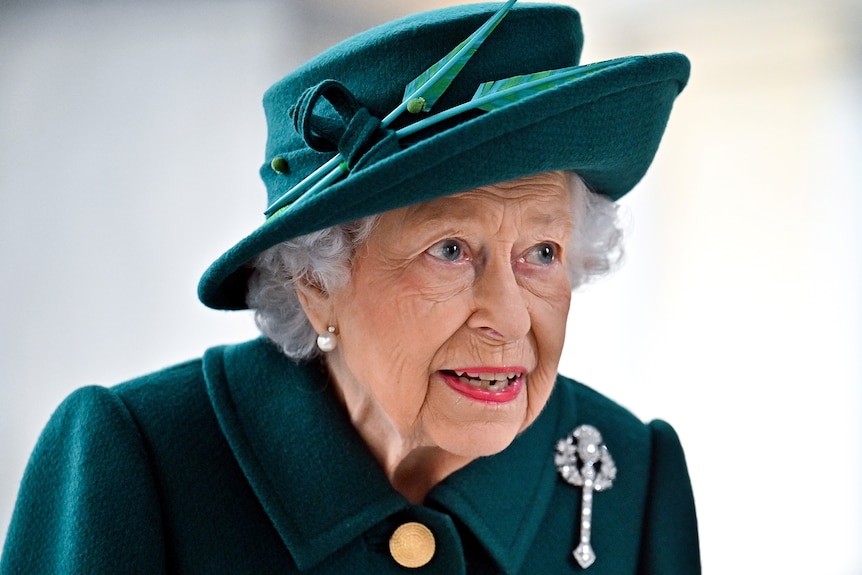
502	499
298	448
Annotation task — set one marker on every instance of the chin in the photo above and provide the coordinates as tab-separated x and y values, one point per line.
480	440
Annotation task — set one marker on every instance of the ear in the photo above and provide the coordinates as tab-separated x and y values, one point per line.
317	304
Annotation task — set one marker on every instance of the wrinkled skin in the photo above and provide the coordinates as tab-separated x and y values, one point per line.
474	280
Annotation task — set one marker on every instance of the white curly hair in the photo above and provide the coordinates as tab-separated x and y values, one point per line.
324	258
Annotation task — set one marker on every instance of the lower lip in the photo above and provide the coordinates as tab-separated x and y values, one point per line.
495	397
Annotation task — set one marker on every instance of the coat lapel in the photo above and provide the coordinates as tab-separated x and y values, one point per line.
314	476
502	499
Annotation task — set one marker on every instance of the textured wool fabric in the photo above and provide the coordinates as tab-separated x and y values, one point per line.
243	462
605	126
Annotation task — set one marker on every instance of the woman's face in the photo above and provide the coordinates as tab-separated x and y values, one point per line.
451	327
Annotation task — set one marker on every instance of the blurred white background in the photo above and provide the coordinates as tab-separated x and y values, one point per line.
130	138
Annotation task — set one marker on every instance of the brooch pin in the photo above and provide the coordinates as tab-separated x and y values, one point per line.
584	461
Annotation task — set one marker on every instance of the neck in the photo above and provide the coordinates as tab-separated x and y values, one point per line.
412	466
421	469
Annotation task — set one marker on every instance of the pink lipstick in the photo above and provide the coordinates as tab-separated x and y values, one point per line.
487	384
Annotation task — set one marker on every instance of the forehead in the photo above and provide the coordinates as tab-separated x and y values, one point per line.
543	199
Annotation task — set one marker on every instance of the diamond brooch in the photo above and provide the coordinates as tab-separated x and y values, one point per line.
584	461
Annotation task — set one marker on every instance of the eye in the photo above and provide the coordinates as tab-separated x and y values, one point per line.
542	254
447	250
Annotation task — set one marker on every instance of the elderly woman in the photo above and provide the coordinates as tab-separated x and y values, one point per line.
437	187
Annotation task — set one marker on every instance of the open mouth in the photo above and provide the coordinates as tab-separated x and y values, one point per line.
490	381
492	387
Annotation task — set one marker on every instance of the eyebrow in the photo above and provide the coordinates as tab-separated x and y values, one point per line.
426	218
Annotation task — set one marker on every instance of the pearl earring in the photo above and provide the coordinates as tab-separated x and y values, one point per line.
326	341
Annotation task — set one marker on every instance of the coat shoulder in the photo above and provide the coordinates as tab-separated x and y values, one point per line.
170	384
584	405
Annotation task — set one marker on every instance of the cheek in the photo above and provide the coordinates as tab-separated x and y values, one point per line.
551	332
413	308
549	305
549	315
392	330
556	314
421	303
433	283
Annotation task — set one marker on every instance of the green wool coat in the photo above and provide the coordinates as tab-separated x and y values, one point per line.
243	462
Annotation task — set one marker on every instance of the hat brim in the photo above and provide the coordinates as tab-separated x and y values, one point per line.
605	126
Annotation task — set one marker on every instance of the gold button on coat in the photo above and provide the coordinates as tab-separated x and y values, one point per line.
412	545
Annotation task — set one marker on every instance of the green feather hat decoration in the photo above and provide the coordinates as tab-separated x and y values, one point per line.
440	103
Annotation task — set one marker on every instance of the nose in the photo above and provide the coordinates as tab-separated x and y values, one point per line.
500	308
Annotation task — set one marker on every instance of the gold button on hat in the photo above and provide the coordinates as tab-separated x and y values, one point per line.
412	545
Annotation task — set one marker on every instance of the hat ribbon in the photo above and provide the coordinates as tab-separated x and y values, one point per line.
352	130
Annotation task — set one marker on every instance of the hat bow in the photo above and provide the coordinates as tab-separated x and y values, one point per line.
345	126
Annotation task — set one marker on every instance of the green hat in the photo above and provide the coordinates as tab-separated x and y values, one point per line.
603	121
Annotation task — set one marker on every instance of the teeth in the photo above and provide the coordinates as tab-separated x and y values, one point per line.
490	381
487	376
